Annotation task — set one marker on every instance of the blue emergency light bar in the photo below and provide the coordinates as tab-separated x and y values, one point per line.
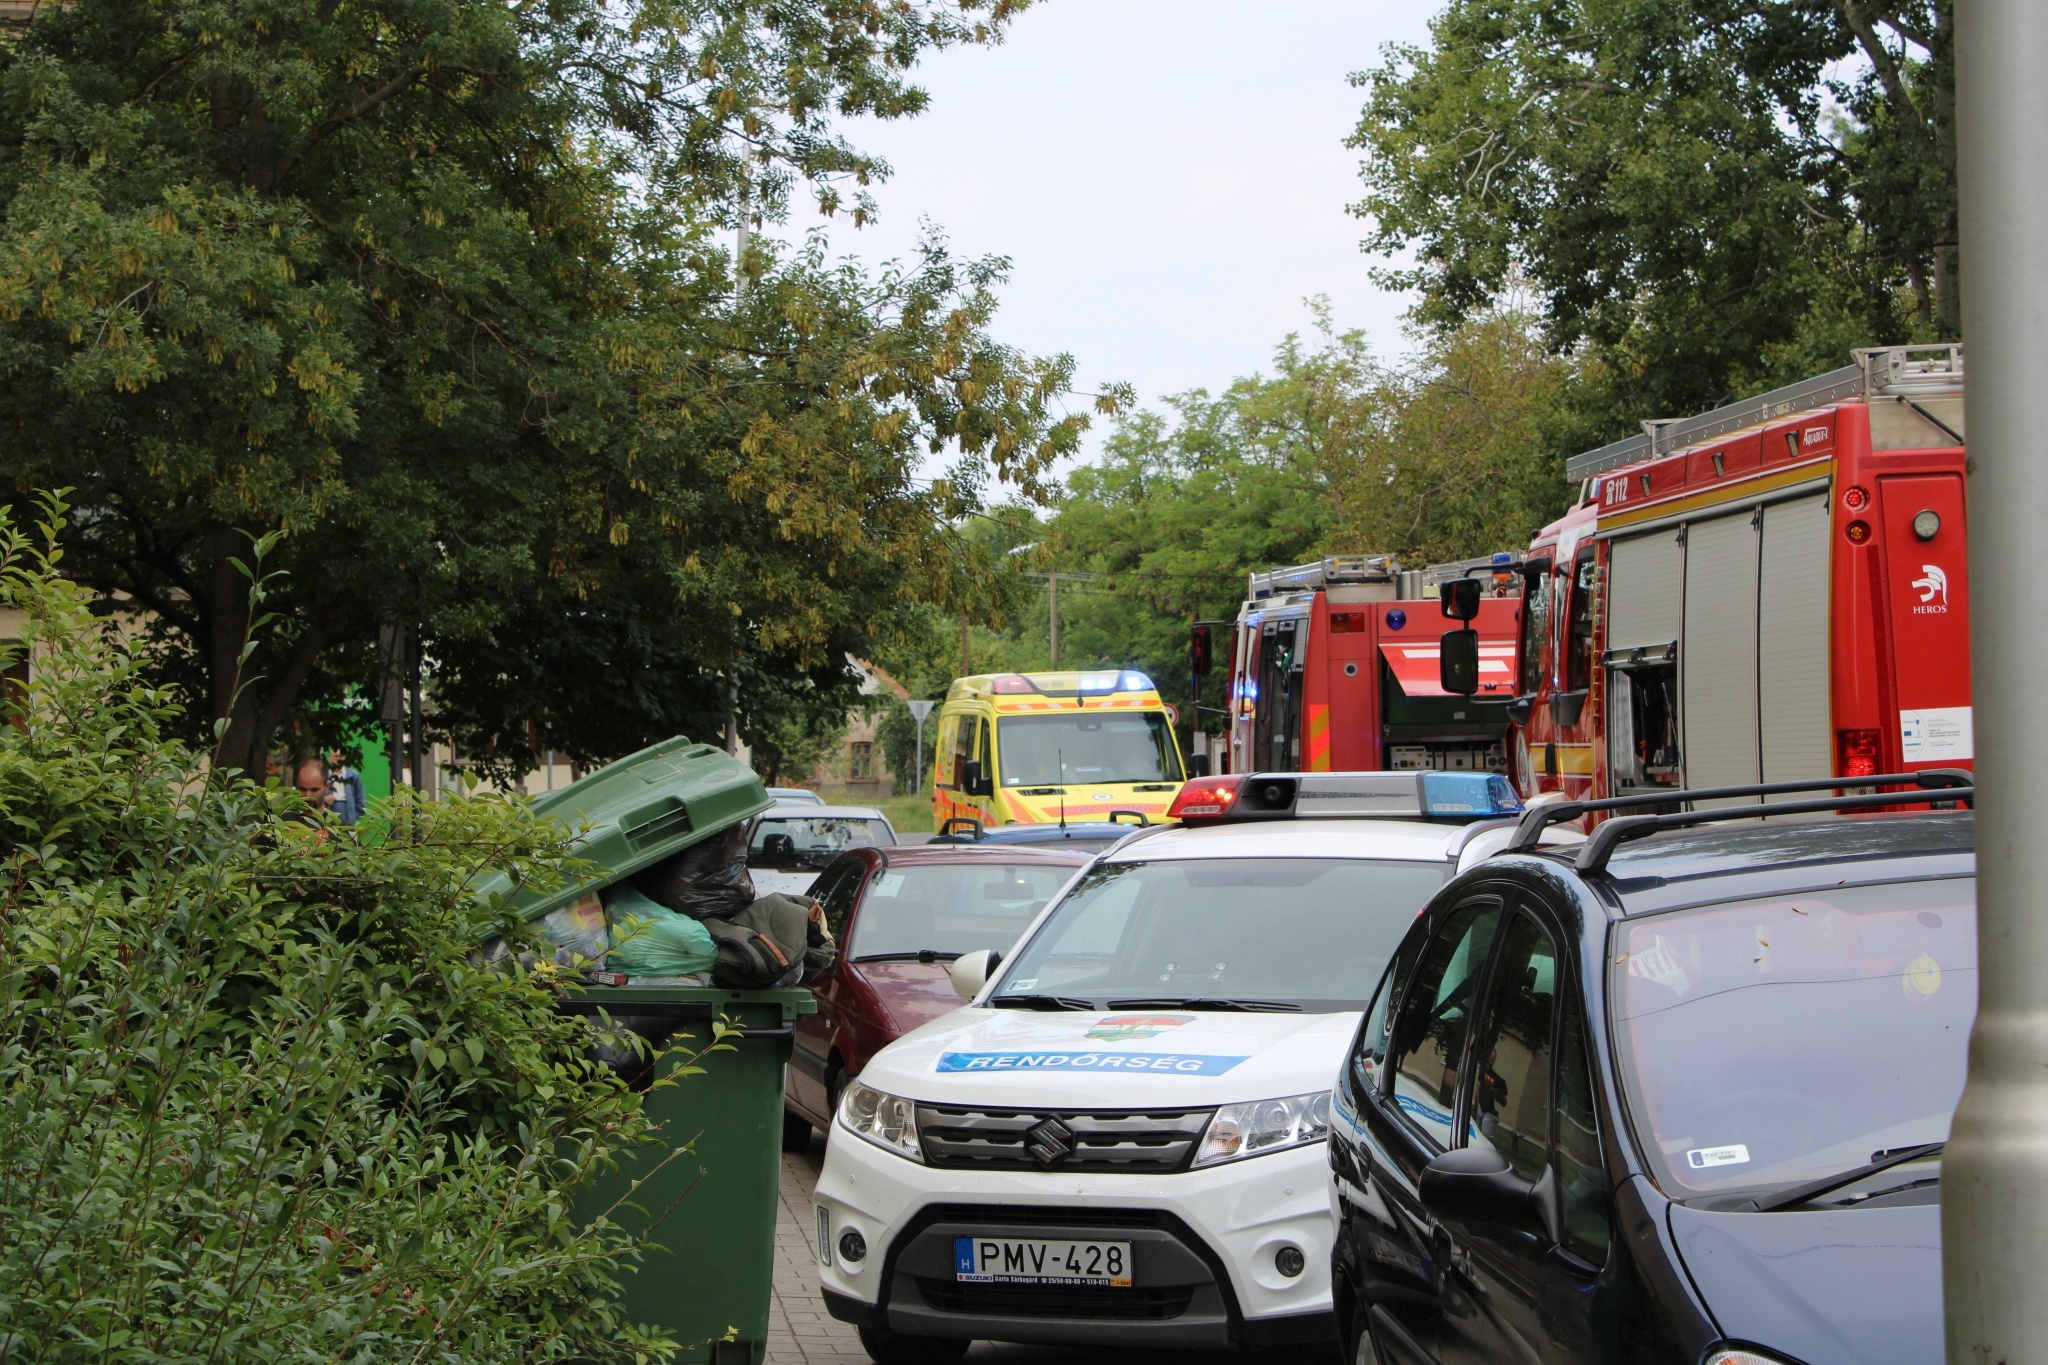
1456	798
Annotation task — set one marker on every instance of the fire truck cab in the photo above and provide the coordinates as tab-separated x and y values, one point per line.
1334	667
1772	591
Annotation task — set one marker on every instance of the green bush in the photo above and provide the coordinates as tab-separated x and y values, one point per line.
256	1103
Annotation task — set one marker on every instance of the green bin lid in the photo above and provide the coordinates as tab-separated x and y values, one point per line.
640	810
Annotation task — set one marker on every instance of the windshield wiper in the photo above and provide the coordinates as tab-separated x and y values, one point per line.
1204	1002
1041	1002
1813	1189
921	955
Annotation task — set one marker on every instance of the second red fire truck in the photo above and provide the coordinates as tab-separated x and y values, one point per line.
1334	668
1773	591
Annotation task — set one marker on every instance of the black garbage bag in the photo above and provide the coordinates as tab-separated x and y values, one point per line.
707	881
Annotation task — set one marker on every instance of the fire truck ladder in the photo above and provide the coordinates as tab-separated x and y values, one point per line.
1899	371
1324	572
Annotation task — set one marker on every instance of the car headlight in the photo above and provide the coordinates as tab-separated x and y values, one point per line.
1740	1355
884	1120
1262	1126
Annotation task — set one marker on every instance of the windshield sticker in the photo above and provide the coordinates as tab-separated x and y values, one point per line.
1701	1158
1923	978
1121	1028
887	886
1022	983
1180	1064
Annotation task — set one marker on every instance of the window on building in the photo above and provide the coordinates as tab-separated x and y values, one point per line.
860	765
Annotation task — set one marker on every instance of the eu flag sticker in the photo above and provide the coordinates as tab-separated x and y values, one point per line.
963	1255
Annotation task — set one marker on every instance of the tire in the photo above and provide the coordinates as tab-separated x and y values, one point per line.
796	1132
887	1348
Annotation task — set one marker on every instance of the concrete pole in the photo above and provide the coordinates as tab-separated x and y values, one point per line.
966	666
1994	1188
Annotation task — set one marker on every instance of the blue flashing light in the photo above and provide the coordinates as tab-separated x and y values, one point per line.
1503	557
1136	682
1098	682
1396	619
1470	796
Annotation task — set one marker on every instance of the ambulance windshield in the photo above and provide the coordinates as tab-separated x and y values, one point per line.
1095	746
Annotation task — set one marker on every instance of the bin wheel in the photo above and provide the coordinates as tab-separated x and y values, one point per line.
796	1132
889	1348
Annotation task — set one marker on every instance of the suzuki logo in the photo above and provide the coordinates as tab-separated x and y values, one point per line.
1934	585
1049	1142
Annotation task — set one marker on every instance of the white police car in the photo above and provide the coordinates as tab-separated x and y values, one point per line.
1121	1140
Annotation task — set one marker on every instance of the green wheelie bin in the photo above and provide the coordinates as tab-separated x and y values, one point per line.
708	1213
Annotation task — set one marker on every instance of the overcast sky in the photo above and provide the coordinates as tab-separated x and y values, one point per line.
1168	178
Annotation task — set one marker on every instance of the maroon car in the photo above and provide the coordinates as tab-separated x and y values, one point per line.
901	915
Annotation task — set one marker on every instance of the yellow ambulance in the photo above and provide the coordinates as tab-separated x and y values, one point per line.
1017	748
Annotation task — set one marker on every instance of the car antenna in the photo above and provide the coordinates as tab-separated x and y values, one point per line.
1063	787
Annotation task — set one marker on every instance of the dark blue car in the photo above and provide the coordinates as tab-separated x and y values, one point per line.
1675	1095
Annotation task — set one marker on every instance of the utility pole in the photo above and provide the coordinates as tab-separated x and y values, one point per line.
1053	614
1994	1176
966	665
739	299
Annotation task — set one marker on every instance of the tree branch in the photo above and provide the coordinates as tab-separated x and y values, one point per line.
335	122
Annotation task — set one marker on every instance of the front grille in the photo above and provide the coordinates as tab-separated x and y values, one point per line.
1043	1216
1056	1301
1149	1141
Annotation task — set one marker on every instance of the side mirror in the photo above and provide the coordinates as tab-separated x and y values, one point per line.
1458	661
1198	765
1520	709
1459	598
1477	1185
973	782
1201	650
970	971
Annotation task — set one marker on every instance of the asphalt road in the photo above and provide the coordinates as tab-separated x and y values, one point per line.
800	1332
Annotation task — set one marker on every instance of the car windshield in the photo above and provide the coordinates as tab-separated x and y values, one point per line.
1094	747
783	841
951	908
1309	932
1771	1042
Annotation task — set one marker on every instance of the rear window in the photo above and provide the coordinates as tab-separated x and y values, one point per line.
812	841
1768	1042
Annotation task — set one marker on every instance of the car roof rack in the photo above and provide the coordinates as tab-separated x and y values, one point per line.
1539	818
1600	846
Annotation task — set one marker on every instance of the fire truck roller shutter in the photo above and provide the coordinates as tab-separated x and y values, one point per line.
1647	574
1645	601
1792	642
1717	659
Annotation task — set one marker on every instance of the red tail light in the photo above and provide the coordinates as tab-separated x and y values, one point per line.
1856	753
1347	623
1205	797
1012	683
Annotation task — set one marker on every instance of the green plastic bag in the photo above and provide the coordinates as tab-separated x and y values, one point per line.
650	940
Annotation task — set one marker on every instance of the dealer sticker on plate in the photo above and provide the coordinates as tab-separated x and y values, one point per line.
1028	1260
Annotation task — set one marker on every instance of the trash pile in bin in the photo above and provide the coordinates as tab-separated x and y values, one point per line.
691	919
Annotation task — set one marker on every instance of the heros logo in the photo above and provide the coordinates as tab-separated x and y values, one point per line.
1180	1064
1933	589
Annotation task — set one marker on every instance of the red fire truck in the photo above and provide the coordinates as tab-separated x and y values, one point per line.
1334	669
1772	591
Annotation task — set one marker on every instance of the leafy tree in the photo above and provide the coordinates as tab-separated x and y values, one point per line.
1699	205
261	1105
433	288
1463	461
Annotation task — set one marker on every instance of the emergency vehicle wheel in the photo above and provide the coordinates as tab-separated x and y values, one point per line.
888	1348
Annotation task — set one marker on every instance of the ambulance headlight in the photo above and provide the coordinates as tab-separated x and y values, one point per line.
885	1120
1262	1126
